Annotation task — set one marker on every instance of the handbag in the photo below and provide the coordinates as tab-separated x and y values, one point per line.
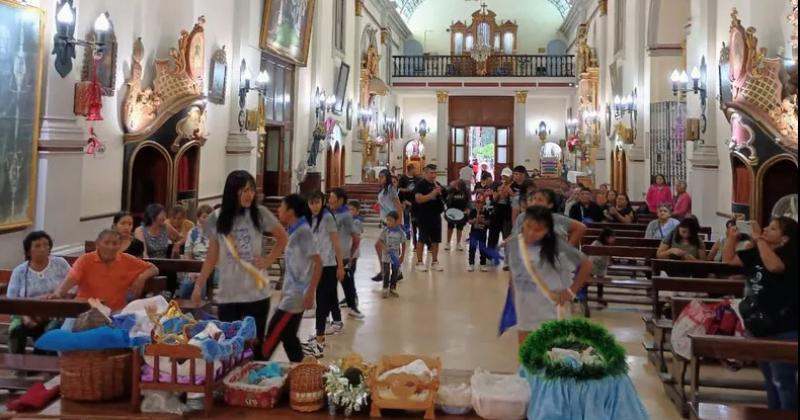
756	320
562	311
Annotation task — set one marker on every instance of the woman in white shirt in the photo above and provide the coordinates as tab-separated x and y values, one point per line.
661	227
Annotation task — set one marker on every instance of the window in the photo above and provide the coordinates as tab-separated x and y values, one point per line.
496	45
468	44
459	41
338	24
502	146
508	43
619	28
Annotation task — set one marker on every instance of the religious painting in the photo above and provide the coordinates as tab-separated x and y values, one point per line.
196	55
341	88
286	29
219	74
104	57
21	63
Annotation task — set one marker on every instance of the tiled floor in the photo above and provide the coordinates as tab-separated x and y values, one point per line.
454	315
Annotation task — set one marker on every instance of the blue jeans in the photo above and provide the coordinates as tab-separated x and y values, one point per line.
781	379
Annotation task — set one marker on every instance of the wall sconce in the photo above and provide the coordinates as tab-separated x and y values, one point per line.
680	84
324	104
245	86
543	131
422	129
64	40
390	127
572	127
626	106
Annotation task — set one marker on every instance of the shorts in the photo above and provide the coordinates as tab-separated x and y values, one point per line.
457	225
430	230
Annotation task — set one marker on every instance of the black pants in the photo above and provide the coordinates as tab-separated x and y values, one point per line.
349	286
478	235
390	276
283	328
327	299
259	310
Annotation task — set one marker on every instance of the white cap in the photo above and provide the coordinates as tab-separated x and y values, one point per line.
506	172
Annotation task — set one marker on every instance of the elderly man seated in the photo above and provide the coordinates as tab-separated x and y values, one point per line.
107	274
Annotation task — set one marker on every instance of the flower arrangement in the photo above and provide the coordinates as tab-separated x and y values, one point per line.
575	348
345	387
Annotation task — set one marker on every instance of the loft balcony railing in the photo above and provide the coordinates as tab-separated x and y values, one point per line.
496	66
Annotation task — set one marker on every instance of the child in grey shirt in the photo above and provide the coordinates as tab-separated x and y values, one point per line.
392	246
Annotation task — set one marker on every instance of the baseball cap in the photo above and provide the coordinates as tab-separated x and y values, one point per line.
506	172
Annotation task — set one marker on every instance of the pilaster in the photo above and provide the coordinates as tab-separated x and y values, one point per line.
442	134
531	161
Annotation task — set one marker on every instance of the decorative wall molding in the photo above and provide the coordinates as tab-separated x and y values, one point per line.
522	96
61	135
442	96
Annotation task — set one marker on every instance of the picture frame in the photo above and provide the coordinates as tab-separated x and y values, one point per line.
20	112
286	29
340	91
217	83
107	66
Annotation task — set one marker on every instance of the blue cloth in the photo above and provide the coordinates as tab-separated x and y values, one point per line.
490	252
269	370
611	398
508	318
237	334
94	339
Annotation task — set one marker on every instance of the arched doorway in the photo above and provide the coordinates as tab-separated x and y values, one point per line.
778	179
151	166
187	177
334	159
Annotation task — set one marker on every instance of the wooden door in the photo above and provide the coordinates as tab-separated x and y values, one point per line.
503	150
619	171
285	163
458	152
333	168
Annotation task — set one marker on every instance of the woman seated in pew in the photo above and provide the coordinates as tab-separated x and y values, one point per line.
769	308
716	251
157	234
107	274
600	263
683	243
622	212
196	249
123	223
38	276
179	222
662	226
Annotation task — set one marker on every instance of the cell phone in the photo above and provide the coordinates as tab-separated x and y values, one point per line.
744	227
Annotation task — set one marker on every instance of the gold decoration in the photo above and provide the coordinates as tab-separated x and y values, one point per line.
522	96
192	127
359	8
441	96
603	6
370	83
177	84
386	35
586	55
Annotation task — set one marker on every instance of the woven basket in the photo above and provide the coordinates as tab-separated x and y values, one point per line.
95	375
241	394
307	387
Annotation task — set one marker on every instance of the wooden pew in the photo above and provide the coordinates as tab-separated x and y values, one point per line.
706	230
635	242
678	268
5	277
737	348
628	233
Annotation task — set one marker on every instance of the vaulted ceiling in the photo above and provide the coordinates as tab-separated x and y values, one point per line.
406	8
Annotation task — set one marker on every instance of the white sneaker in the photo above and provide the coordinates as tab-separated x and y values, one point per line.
460	247
310	313
313	348
334	328
355	314
470	268
420	267
484	268
385	293
447	247
435	266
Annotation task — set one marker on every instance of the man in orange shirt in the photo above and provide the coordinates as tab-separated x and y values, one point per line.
108	274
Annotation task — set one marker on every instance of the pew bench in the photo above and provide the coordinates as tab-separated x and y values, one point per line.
704	230
706	269
635	242
708	411
705	347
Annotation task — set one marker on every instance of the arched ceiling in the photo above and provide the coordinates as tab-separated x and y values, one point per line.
406	8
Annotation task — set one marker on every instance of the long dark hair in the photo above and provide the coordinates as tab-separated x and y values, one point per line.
318	195
151	213
388	181
545	216
231	207
549	194
298	205
32	237
119	216
694	231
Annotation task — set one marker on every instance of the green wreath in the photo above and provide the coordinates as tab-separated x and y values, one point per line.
574	334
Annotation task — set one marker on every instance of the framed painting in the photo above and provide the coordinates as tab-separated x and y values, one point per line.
286	29
219	75
341	88
21	65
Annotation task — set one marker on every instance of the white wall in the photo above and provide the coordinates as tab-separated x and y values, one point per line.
416	108
551	110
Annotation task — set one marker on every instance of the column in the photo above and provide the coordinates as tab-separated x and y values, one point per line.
60	163
522	154
240	144
602	166
442	135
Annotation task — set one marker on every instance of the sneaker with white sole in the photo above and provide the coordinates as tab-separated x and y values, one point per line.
313	348
460	247
355	314
310	313
484	268
421	267
393	293
343	303
447	247
385	294
334	328
470	268
435	266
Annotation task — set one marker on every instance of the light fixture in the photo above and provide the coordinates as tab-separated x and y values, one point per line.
64	40
422	129
680	84
543	131
324	103
572	127
245	86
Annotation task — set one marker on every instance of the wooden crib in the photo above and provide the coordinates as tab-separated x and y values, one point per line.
405	389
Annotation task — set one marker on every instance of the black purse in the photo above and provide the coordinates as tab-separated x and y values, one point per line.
757	321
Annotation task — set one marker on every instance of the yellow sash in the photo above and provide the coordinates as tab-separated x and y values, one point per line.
562	311
254	272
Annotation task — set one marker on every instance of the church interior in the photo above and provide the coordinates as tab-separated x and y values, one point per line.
560	209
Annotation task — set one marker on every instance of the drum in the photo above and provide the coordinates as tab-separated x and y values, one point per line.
454	215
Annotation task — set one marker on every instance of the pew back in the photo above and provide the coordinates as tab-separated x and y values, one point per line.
676	268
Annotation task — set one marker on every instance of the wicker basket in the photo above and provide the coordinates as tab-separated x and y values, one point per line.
306	386
98	375
241	394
